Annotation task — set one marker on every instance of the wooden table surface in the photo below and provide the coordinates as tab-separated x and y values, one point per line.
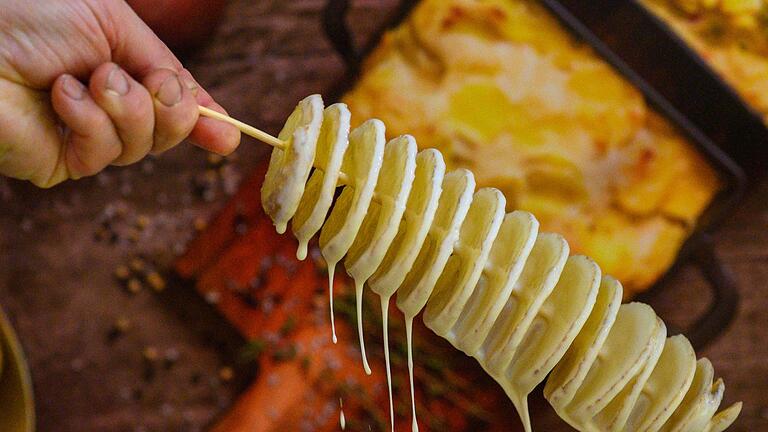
57	283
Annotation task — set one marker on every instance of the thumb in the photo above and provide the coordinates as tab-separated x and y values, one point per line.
139	51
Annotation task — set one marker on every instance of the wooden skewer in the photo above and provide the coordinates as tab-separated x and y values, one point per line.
244	128
263	137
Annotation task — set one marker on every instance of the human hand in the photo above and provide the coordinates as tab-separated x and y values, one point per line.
138	98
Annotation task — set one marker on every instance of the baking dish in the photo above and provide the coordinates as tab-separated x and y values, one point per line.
654	51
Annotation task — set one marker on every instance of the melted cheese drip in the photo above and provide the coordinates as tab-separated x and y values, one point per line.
331	271
301	251
409	343
384	325
359	303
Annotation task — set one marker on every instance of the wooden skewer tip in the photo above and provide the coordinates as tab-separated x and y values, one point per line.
243	127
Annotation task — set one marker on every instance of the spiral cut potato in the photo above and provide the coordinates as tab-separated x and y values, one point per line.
487	280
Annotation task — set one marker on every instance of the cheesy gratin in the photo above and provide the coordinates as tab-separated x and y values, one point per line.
502	89
731	35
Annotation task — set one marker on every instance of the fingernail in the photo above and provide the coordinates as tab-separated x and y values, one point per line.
190	84
73	88
117	81
169	93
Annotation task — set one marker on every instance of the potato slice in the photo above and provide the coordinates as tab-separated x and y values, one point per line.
570	372
383	218
362	163
381	221
614	416
724	419
413	228
463	269
451	210
289	167
318	196
452	207
552	331
700	402
505	263
666	386
624	355
540	274
419	214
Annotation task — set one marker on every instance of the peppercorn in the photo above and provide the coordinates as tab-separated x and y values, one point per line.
134	286
150	353
156	281
119	328
142	221
226	374
137	264
122	272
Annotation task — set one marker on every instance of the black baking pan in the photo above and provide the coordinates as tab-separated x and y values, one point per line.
655	51
698	250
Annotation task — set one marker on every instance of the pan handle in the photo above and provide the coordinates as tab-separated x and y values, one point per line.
725	294
334	19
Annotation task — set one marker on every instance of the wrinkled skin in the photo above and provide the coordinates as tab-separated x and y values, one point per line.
85	84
